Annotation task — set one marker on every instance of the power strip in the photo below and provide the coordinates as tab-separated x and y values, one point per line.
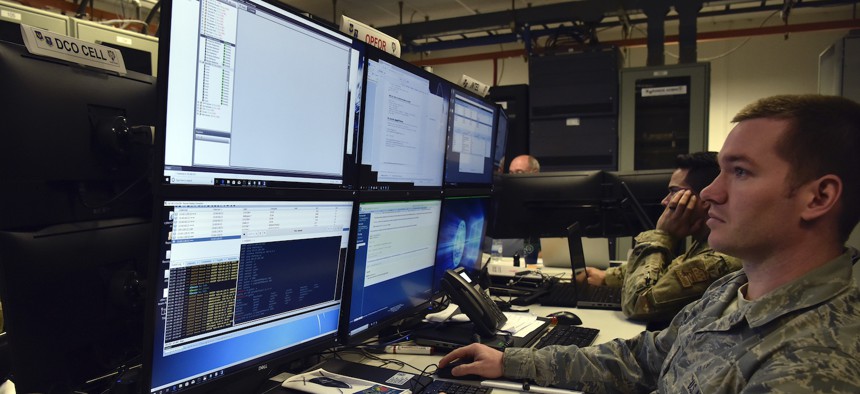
508	270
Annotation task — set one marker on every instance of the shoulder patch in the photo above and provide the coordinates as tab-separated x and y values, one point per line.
691	276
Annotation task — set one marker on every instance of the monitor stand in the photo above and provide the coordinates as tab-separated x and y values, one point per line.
449	337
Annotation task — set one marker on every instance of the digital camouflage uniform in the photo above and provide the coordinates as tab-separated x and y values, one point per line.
801	337
657	284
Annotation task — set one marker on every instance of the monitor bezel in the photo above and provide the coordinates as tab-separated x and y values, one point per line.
380	197
438	270
367	179
532	205
348	176
249	374
488	183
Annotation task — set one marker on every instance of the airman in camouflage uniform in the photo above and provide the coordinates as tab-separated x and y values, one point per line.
655	286
655	282
784	203
774	344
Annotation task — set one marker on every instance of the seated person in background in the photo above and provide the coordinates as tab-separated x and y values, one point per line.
524	164
785	203
655	282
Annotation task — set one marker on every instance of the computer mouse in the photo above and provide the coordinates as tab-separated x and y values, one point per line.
566	317
329	382
445	372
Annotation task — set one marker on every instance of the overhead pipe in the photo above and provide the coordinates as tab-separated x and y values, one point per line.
639	42
656	11
688	14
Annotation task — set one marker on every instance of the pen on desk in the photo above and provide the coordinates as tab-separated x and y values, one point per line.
408	349
499	384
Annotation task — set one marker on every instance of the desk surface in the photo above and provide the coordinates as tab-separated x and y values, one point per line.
612	325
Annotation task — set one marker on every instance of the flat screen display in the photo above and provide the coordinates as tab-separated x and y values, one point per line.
405	122
242	282
462	227
392	275
469	152
256	96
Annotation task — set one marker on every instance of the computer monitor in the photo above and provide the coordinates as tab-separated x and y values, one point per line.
255	96
405	120
240	286
462	227
501	138
61	160
469	151
543	205
139	51
73	302
648	187
16	14
392	272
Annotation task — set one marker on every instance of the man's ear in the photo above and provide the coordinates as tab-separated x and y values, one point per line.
822	196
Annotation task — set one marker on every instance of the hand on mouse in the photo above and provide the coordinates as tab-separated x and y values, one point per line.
487	361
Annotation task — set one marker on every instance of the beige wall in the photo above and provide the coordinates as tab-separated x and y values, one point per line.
759	66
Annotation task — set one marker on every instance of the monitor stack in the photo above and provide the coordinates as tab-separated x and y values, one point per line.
309	191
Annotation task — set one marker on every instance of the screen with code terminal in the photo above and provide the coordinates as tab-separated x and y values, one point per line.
242	282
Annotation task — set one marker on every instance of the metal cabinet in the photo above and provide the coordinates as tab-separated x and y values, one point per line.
664	112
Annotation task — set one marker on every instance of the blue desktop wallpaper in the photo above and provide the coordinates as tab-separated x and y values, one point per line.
461	231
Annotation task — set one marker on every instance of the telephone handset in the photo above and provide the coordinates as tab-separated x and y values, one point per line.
481	310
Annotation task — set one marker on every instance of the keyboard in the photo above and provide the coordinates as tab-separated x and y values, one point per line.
604	294
440	386
561	294
568	335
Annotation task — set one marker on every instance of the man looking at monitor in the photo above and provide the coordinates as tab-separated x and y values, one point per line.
785	202
656	283
524	164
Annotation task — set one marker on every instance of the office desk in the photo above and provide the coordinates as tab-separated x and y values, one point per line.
612	324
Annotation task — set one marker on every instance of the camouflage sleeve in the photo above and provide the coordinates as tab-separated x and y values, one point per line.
615	275
630	365
647	263
685	280
821	371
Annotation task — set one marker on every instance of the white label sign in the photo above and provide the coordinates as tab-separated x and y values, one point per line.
45	43
374	37
10	14
124	40
664	91
474	85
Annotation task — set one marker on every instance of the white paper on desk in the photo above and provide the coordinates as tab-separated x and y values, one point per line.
305	383
520	323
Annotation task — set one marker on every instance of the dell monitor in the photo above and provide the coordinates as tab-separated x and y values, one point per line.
61	160
239	286
626	189
392	272
73	302
543	205
405	118
469	152
462	227
255	96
